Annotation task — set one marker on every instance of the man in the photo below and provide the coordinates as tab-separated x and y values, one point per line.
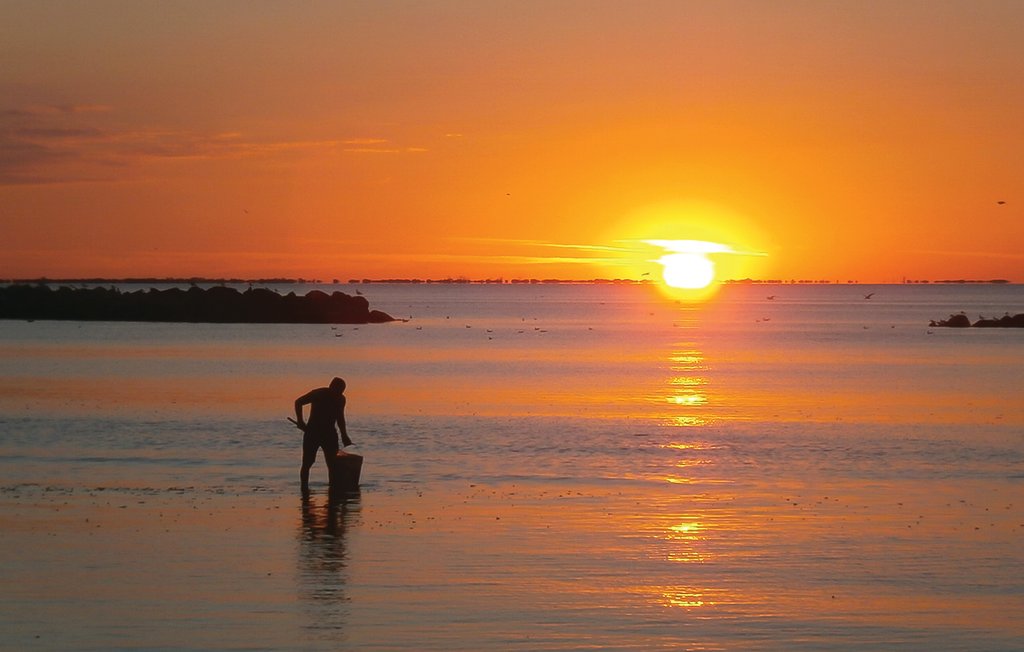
327	407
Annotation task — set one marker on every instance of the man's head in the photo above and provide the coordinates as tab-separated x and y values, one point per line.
337	384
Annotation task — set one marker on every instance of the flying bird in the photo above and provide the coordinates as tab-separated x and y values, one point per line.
1000	202
868	296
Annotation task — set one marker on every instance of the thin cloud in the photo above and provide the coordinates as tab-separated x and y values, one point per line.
527	254
430	257
37	110
56	143
84	108
57	133
970	254
385	150
516	259
699	247
554	245
21	160
189	145
371	150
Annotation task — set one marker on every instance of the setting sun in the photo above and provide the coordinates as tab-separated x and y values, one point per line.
688	265
690	271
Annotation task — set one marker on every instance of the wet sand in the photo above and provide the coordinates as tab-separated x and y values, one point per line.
506	565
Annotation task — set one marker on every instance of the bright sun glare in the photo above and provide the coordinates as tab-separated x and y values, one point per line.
687	265
689	271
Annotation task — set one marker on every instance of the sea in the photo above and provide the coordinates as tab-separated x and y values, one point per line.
546	467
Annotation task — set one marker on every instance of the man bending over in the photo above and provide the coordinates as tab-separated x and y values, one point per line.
327	408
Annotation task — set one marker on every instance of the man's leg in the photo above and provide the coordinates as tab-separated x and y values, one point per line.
330	445
309	448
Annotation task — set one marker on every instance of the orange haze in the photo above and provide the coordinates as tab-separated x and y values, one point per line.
846	141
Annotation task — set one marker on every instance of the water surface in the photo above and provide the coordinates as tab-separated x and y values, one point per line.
547	467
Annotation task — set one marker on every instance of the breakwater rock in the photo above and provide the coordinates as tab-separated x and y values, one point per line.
961	321
214	305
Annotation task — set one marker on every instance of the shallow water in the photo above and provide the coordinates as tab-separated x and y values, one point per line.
547	467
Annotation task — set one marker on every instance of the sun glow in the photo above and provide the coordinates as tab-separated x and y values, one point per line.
689	271
688	266
681	245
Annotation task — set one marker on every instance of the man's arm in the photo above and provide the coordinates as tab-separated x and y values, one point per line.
300	421
345	441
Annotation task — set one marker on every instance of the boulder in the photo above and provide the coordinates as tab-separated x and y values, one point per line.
961	321
954	321
216	305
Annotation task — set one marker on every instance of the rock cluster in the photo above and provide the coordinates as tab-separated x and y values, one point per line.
216	305
961	321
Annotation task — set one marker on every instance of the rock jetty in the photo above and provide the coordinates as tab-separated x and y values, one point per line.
214	305
961	321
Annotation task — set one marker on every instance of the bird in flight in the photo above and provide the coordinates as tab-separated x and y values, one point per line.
868	296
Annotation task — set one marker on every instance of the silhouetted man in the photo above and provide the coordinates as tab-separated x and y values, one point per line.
327	407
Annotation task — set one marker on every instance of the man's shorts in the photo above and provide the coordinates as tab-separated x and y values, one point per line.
328	441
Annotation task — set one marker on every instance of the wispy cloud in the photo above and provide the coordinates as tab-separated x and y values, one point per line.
159	144
968	254
552	245
377	146
587	247
385	150
471	258
43	133
625	253
36	110
63	143
372	150
23	161
699	247
516	251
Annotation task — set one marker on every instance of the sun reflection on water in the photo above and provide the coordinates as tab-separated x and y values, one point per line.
689	460
687	421
688	399
687	540
687	530
687	386
684	597
688	381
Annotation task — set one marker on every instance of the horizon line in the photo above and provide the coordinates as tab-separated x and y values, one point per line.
283	280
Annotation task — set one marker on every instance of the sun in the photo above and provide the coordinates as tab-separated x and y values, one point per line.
688	271
687	264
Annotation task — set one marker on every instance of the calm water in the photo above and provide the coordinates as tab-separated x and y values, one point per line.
547	467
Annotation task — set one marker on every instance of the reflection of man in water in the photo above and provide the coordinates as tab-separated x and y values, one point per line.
327	407
322	560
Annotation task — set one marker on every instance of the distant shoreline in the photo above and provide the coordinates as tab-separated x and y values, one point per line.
195	280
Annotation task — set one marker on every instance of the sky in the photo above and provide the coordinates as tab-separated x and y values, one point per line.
872	141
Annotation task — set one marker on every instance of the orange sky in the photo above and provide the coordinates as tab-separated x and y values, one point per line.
845	140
